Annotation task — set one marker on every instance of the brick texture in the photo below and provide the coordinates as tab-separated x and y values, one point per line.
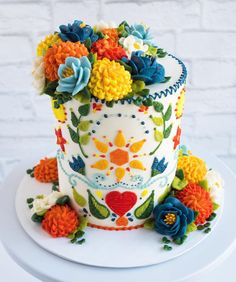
201	33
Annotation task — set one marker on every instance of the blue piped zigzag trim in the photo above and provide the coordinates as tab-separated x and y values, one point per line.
168	91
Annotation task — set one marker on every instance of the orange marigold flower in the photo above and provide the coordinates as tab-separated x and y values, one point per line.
111	33
57	55
60	221
46	171
197	199
108	48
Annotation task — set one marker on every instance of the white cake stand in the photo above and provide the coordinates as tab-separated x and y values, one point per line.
48	267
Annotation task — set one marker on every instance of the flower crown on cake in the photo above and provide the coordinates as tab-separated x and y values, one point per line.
108	62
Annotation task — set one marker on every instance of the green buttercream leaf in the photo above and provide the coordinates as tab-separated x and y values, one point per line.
79	199
158	107
138	101
37	218
168	113
84	125
157	120
204	184
50	87
215	206
74	119
127	67
138	85
191	227
63	200
83	223
146	208
149	224
152	50
148	102
84	109
179	184
180	174
158	135
98	210
84	139
164	195
167	78
73	135
88	43
145	92
110	104
167	131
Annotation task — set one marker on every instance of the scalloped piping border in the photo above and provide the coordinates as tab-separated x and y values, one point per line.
115	228
168	91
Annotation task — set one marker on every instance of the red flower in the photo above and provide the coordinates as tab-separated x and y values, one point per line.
176	138
197	199
60	139
108	48
97	107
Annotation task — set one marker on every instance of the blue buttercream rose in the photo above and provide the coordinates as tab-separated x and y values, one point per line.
78	31
145	68
140	31
172	217
74	75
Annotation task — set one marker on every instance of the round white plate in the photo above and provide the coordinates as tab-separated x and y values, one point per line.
122	249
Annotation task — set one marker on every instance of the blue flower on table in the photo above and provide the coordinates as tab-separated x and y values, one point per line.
172	217
78	31
78	165
145	68
158	167
74	75
140	31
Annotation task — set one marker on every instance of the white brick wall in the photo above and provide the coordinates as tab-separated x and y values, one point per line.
201	32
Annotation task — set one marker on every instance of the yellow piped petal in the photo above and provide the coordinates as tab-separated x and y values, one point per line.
120	173
120	139
99	194
137	146
102	147
144	193
137	165
101	164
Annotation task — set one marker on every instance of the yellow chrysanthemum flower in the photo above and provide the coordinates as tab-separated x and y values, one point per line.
46	43
193	167
109	80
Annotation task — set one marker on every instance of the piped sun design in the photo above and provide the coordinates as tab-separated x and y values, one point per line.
119	156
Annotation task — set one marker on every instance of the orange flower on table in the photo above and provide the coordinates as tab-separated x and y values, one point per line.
57	55
111	33
121	159
143	109
60	221
108	48
46	171
196	198
176	138
97	107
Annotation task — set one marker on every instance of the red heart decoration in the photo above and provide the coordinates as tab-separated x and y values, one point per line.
119	202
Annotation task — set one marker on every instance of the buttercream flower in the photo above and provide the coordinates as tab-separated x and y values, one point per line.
44	203
193	167
38	74
108	48
111	33
159	167
74	75
46	171
140	31
78	31
145	68
196	198
57	55
215	185
46	43
172	217
109	80
133	44
60	221
78	165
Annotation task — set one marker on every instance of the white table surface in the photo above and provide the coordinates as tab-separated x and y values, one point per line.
11	272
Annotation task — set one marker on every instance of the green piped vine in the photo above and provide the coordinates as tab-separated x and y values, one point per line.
79	134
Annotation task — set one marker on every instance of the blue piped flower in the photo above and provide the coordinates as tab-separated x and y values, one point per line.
77	165
74	75
140	31
172	217
158	167
145	68
78	31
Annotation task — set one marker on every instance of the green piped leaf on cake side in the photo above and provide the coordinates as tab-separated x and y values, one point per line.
158	107
74	119
146	208
73	135
167	131
98	210
168	113
84	125
79	199
84	110
84	139
158	135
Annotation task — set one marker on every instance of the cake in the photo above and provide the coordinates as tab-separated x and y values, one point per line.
118	100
